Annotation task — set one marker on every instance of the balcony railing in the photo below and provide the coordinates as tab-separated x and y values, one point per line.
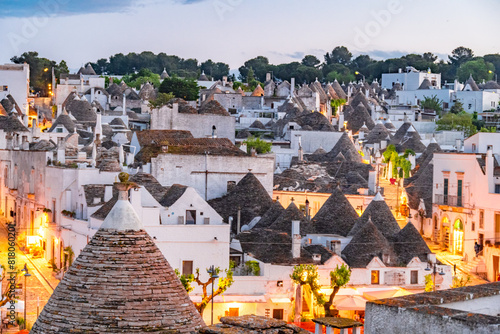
458	201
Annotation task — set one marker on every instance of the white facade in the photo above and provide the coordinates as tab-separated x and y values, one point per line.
410	79
465	202
211	174
71	84
15	80
201	126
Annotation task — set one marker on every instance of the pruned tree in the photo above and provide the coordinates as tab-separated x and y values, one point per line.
223	284
338	279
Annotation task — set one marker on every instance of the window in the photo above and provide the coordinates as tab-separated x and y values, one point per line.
459	192
445	197
234	312
481	219
190	217
206	221
497	227
497	188
278	313
187	267
470	106
473	147
180	220
473	226
414	277
375	277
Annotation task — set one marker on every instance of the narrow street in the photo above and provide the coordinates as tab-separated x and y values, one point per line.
39	286
462	268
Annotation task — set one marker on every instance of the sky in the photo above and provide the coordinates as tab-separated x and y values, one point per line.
233	31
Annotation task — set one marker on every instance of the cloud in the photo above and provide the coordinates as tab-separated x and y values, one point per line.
28	8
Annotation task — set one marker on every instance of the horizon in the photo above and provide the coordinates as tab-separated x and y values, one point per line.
87	31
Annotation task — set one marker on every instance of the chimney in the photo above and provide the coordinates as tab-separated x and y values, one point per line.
341	120
108	193
308	216
411	158
268	76
25	145
214	131
301	154
124	105
372	181
400	70
296	239
135	200
383	144
316	258
61	150
9	141
253	152
224	80
458	144
489	170
292	87
59	110
92	94
238	221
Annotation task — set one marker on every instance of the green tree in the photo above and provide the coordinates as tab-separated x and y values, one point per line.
40	70
457	108
336	104
306	274
432	103
460	122
223	284
460	55
259	65
459	282
144	75
338	279
261	146
186	89
161	100
215	70
478	68
339	55
310	61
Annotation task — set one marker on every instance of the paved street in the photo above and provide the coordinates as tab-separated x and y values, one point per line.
39	286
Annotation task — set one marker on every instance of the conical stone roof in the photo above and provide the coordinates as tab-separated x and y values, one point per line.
258	91
380	214
366	244
338	89
336	216
271	215
429	150
408	243
120	283
249	195
377	134
346	147
359	117
360	98
284	222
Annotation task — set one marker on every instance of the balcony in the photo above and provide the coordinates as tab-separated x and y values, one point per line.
457	201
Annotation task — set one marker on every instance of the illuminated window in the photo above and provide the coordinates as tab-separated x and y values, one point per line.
375	277
235	312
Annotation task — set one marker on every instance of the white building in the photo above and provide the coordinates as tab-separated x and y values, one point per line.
466	196
15	80
410	79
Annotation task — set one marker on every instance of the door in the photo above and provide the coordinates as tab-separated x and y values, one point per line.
497	227
496	261
458	237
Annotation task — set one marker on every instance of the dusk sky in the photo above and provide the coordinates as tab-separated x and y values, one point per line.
233	31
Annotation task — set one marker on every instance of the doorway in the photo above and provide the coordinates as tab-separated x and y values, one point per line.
458	237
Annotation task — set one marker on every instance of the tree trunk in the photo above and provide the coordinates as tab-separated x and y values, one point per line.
298	303
329	303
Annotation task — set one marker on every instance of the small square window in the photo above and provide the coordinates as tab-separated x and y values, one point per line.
278	313
497	188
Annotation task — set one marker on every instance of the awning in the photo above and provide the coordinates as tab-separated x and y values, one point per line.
381	294
278	300
232	299
350	303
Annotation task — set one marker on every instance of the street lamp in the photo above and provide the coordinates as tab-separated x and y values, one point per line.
26	274
358	73
434	271
213	276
